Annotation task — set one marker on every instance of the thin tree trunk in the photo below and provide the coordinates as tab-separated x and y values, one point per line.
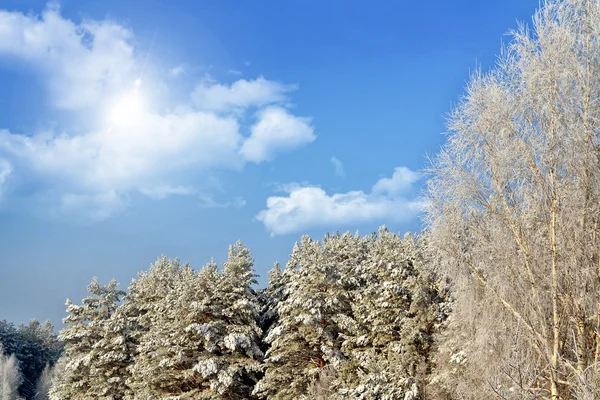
555	316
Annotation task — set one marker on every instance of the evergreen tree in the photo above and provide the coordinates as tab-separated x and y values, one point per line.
111	356
240	314
356	320
155	304
38	346
306	337
142	308
269	299
88	374
395	311
350	317
202	327
9	340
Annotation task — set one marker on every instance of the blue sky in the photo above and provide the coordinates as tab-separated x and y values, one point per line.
179	127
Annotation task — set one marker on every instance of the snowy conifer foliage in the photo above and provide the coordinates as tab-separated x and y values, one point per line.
349	317
111	357
92	369
242	334
160	363
37	347
306	337
199	332
396	309
358	314
270	297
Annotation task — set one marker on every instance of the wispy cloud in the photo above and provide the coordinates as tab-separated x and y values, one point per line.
5	170
161	192
92	207
240	95
339	167
176	71
311	207
207	201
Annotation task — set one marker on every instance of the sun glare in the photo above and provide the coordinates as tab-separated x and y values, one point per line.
129	108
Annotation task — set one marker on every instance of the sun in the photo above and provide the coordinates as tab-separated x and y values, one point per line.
128	108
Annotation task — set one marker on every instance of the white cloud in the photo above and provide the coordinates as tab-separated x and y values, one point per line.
339	167
78	63
311	207
152	155
144	153
235	72
276	131
134	146
240	95
402	179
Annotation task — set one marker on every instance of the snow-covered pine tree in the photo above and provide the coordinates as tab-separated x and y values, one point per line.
306	337
8	337
73	382
241	352
269	299
396	308
355	321
289	354
143	308
164	358
430	307
83	377
223	323
207	328
111	357
198	332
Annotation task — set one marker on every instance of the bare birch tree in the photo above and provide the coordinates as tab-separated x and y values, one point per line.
515	206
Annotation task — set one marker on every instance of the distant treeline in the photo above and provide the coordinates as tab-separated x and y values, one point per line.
34	347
